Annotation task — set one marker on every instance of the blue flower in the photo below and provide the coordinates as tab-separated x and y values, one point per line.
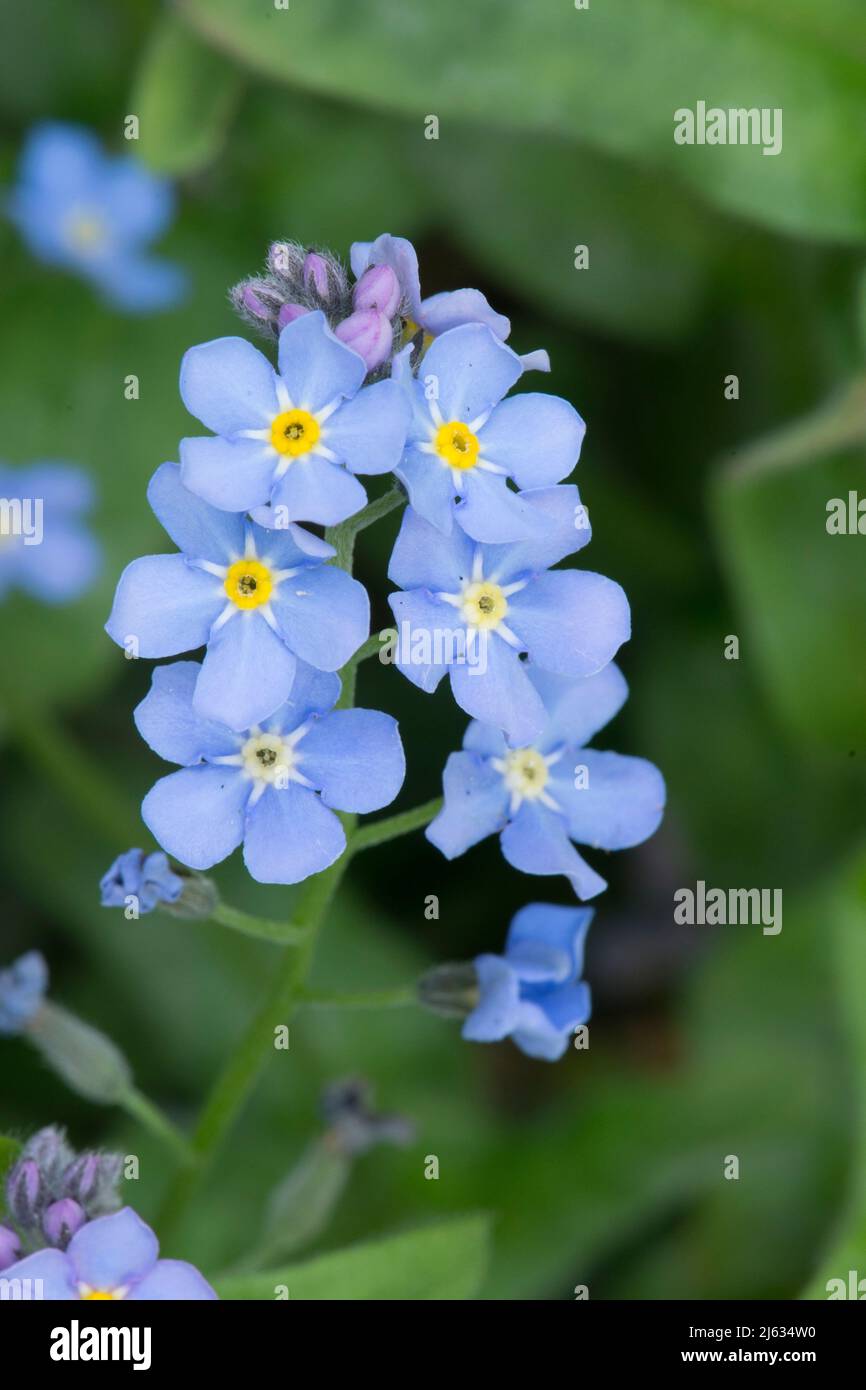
270	787
45	547
465	442
438	312
79	209
258	598
553	790
146	878
114	1257
471	610
534	994
294	439
22	990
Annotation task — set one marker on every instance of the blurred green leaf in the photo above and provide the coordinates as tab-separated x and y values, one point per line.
184	96
445	1261
800	589
611	75
9	1151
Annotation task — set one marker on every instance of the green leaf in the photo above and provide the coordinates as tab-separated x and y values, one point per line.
611	75
446	1261
802	600
9	1151
184	97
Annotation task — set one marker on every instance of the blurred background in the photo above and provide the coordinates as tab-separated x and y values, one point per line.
555	131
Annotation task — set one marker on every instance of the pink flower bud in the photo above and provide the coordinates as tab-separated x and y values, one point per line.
289	313
61	1220
253	304
378	288
316	275
368	333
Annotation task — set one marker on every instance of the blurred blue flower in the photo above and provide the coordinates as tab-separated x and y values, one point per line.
45	547
83	210
465	442
554	790
258	599
114	1257
438	312
270	787
148	878
294	439
534	994
22	990
471	609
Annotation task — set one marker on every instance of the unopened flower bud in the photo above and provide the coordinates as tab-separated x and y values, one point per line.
254	305
378	288
289	312
450	990
369	333
61	1220
25	1192
10	1247
315	275
81	1179
198	898
285	259
86	1059
51	1153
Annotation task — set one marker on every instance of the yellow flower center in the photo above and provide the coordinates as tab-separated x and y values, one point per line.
526	772
484	604
101	1295
267	757
457	445
248	583
295	432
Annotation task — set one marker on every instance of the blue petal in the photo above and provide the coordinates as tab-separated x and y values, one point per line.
229	385
315	366
53	1271
113	1251
197	814
368	433
472	371
536	361
165	604
491	513
571	621
498	691
536	843
284	547
140	284
312	692
497	1010
475	806
621	805
63	567
578	707
62	158
290	835
313	489
355	758
168	723
535	437
451	308
564	1008
62	486
485	739
246	675
423	559
545	942
537	1036
323	614
430	488
306	543
428	633
199	530
22	988
139	204
232	474
172	1280
561	532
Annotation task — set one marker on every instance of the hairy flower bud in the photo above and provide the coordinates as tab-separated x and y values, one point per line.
61	1220
289	312
315	275
25	1192
369	333
450	990
86	1059
378	288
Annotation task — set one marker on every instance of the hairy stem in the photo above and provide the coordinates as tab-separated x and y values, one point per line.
262	928
359	999
140	1108
381	831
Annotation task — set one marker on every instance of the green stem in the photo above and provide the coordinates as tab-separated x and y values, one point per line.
280	933
381	831
140	1108
359	999
234	1084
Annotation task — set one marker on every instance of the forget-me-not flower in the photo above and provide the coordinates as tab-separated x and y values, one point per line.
82	210
114	1257
148	878
258	599
271	787
553	790
471	610
533	993
293	438
438	312
465	443
46	549
22	990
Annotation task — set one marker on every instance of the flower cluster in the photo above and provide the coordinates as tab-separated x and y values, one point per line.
372	378
52	1192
